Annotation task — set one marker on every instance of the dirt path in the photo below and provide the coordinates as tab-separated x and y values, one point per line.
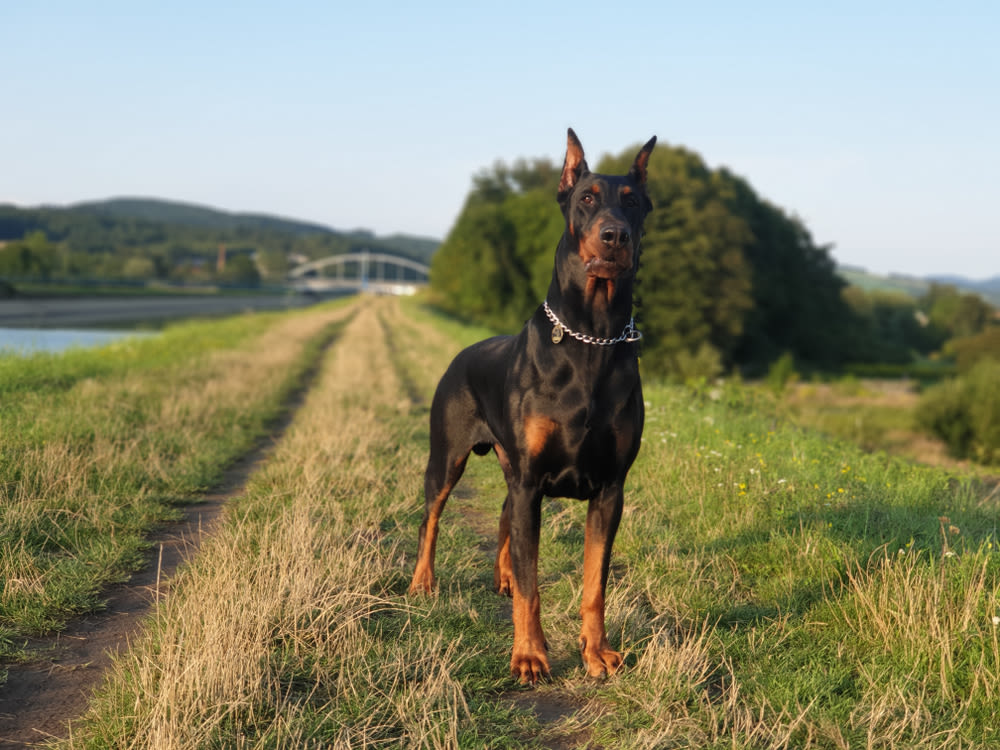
554	707
42	697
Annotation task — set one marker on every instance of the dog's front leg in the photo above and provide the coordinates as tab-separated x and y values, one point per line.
603	514
528	661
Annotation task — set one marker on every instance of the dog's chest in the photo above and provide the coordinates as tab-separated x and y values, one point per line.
576	438
578	462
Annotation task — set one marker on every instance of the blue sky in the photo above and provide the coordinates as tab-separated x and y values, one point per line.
875	122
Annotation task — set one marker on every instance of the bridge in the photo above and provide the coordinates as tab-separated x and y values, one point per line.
379	273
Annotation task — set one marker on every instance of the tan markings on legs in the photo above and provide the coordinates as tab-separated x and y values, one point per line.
529	661
598	656
423	575
503	570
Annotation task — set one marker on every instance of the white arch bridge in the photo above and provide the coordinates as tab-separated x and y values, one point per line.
380	273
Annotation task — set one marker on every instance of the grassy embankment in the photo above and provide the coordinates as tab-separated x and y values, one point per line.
878	415
770	588
97	446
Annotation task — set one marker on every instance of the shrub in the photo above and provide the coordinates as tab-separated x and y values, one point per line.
965	412
782	372
970	350
703	364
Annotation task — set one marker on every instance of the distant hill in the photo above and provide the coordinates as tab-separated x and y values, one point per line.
131	226
914	286
192	215
157	210
989	288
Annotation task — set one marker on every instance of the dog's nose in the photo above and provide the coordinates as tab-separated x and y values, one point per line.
615	236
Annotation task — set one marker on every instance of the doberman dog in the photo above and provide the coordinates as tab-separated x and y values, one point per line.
561	405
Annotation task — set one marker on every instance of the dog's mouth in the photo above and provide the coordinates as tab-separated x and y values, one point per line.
603	275
603	268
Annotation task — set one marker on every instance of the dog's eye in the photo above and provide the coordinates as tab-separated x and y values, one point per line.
587	198
630	200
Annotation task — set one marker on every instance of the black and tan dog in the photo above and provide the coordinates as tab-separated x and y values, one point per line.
560	403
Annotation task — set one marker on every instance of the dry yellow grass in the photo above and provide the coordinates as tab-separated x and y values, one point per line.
90	466
934	617
300	567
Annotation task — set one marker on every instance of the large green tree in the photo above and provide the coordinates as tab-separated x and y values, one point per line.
798	303
694	281
726	279
496	262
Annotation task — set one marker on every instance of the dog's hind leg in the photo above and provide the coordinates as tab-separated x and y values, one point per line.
443	472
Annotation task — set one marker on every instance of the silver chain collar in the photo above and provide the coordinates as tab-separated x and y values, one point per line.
559	330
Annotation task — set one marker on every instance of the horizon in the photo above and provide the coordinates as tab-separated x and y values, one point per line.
939	276
870	124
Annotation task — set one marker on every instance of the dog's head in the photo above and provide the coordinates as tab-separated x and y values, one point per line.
604	216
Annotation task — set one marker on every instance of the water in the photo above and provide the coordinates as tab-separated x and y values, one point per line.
29	340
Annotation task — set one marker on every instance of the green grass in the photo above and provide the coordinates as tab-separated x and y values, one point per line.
773	587
770	588
798	551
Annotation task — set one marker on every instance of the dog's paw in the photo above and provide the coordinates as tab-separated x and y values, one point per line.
600	660
423	582
529	668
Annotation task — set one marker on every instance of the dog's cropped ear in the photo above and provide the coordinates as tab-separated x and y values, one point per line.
638	170
574	167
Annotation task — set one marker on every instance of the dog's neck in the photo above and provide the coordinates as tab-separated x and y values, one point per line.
583	304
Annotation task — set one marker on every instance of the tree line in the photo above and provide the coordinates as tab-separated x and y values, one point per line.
727	281
67	244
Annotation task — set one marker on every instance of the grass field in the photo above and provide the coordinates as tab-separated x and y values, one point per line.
97	446
770	587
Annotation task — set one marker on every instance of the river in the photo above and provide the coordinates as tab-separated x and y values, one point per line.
28	340
28	325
